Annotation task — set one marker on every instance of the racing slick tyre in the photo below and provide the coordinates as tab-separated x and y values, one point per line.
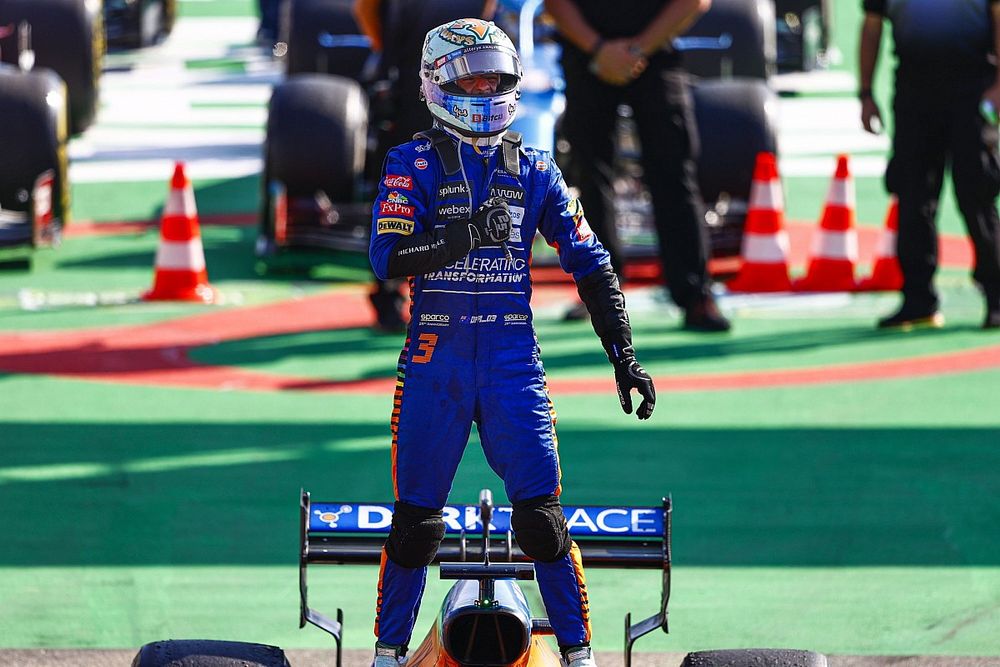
317	127
735	38
33	137
68	37
208	653
307	28
735	122
755	657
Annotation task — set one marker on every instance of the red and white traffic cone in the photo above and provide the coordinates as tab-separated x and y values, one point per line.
765	242
886	274
180	273
831	268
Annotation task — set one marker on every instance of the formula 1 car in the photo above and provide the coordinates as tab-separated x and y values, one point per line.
34	191
138	23
317	180
485	620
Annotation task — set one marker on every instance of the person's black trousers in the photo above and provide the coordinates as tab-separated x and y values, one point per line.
663	111
938	123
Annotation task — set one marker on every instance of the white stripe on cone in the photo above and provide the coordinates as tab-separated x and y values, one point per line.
180	203
767	196
836	245
765	248
181	255
841	193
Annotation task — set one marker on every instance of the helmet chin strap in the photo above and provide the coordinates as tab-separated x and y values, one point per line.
476	142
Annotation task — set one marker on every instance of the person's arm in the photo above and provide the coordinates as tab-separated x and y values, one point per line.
671	22
870	42
580	253
992	94
369	17
611	60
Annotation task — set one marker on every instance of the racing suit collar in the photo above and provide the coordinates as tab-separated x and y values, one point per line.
479	143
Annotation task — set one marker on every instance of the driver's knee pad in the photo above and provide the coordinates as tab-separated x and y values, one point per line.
415	535
540	528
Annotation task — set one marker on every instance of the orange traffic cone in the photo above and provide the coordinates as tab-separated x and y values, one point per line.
180	258
765	242
886	274
831	268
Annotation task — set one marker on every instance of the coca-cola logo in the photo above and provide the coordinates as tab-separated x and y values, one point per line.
398	182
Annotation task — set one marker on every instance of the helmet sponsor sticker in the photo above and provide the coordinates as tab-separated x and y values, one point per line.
393	208
465	32
393	226
486	117
398	182
420	163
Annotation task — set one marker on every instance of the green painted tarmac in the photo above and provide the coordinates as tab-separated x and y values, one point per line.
848	518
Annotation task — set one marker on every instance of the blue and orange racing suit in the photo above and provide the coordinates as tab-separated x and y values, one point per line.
471	354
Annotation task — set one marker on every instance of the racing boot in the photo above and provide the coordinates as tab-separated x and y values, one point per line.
578	656
703	315
911	316
387	655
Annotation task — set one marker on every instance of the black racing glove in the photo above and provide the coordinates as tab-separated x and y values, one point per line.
630	375
606	304
490	224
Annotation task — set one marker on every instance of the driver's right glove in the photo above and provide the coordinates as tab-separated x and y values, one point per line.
490	224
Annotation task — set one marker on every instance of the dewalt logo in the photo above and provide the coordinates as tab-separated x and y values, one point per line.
393	226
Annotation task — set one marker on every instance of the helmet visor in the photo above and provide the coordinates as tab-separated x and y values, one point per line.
483	59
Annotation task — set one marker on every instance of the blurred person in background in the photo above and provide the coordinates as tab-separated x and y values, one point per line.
396	29
946	85
614	54
267	29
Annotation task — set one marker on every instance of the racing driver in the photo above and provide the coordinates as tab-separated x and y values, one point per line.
456	212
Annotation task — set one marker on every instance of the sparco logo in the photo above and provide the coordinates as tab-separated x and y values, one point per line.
515	318
434	318
398	182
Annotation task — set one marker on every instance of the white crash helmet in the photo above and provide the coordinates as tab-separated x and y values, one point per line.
462	48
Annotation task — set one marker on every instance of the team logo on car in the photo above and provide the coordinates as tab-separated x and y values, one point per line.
393	208
397	198
393	226
398	182
420	163
541	165
331	518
